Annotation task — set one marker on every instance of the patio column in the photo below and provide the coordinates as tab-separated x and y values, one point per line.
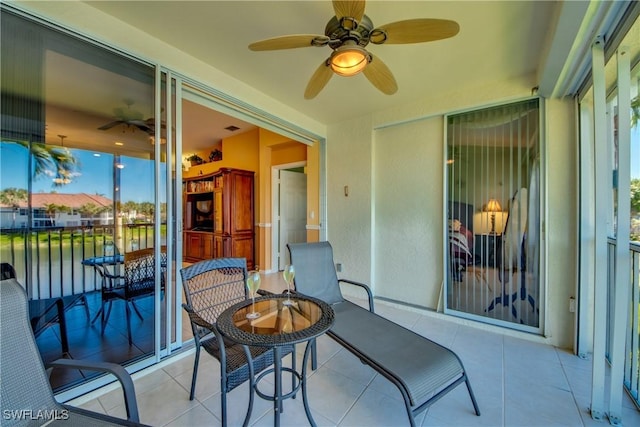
623	259
602	226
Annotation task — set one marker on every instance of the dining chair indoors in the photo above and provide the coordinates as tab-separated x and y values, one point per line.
210	287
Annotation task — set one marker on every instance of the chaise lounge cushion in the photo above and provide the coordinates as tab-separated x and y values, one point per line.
318	271
422	365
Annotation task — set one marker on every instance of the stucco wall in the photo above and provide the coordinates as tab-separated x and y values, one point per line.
562	209
363	154
407	232
349	153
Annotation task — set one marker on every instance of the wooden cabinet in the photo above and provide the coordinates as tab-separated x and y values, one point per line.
198	245
219	216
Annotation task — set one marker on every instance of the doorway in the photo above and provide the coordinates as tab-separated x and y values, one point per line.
289	210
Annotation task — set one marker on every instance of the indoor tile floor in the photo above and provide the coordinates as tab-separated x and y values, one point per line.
517	382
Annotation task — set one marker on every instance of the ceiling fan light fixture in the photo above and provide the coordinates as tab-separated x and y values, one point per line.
349	60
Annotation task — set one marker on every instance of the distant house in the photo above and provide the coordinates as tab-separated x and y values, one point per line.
73	212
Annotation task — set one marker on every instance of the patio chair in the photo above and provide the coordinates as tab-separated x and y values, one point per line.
137	281
26	394
422	370
44	312
210	287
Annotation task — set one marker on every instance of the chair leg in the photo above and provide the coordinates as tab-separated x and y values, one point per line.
472	396
86	306
247	417
223	397
136	309
128	310
195	373
104	313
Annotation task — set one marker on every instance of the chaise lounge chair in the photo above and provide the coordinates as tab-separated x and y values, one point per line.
422	370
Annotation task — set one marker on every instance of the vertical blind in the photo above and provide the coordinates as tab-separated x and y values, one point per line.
493	209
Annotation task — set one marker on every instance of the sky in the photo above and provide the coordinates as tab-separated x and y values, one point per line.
96	175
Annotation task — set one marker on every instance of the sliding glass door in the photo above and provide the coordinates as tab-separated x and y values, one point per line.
493	210
83	195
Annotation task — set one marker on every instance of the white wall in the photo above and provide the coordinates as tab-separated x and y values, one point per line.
356	155
350	217
407	232
562	218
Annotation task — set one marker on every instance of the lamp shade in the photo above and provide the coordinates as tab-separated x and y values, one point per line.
493	206
348	60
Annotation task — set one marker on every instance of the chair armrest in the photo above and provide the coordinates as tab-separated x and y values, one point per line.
363	286
265	293
197	319
118	371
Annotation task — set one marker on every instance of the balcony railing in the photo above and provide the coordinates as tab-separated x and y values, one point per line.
632	346
49	260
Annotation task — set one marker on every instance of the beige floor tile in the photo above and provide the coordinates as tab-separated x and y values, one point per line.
516	383
377	409
332	394
195	417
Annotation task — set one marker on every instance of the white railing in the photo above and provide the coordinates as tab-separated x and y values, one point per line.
632	346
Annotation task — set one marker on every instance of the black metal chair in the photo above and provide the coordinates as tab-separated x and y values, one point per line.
136	281
210	287
26	392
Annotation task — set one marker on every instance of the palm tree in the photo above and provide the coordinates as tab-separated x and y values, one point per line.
635	111
52	209
48	158
12	197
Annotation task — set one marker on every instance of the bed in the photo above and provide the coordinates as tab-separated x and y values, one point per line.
460	232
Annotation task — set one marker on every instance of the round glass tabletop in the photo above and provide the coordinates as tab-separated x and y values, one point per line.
277	323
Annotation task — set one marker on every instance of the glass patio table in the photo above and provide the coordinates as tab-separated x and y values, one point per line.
278	325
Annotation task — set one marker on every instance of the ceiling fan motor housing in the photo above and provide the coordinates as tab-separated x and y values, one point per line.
340	31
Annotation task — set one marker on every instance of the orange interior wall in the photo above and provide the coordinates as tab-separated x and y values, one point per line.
258	150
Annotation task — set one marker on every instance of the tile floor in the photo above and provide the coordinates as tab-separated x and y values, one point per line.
516	382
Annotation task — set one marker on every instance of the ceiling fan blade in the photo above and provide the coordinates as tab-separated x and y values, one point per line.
110	125
142	125
290	42
318	81
352	9
414	31
380	76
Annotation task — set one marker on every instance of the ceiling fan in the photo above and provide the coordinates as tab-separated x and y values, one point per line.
347	33
130	118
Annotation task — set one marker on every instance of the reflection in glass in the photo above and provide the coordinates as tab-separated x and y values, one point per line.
77	168
493	204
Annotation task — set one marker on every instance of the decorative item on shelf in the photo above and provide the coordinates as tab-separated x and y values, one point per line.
493	206
215	155
195	159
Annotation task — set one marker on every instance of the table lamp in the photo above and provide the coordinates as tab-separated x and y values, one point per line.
493	206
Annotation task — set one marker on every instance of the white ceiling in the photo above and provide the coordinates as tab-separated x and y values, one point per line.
498	40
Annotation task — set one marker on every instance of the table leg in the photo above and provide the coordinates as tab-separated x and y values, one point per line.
310	348
277	402
62	321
